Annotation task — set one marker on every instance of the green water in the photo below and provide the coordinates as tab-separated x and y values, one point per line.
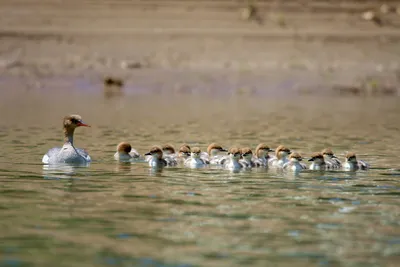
112	214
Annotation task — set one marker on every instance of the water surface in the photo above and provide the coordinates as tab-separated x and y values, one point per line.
112	214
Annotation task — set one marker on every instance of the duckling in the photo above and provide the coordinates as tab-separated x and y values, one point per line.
195	161
125	152
294	163
352	164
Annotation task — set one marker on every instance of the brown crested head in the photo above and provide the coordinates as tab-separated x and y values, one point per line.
327	151
281	149
185	147
295	155
196	150
234	151
215	146
246	151
124	147
317	156
155	151
262	149
73	121
350	156
168	148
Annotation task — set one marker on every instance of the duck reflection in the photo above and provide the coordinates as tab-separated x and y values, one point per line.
156	171
62	170
123	167
113	87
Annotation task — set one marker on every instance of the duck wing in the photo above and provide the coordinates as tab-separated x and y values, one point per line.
53	152
134	153
363	165
83	153
170	161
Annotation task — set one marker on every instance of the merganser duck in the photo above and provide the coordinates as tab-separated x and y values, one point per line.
261	156
184	152
330	157
182	155
318	162
157	160
232	162
195	161
280	158
168	150
294	163
68	153
212	154
125	152
247	157
352	164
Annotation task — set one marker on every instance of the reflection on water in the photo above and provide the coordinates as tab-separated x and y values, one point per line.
127	214
60	171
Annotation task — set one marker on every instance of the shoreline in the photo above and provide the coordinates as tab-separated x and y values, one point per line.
322	45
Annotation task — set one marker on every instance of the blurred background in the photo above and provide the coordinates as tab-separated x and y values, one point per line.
185	46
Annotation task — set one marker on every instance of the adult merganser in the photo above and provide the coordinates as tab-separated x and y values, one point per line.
261	156
331	159
68	153
352	164
212	154
280	158
195	161
294	163
157	160
125	152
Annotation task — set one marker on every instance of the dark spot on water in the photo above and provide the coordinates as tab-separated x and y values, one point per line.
216	255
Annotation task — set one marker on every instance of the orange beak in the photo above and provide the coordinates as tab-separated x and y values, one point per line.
83	124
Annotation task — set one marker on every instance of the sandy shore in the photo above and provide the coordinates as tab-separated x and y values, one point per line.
300	46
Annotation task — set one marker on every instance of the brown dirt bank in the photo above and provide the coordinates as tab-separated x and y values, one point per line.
295	45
